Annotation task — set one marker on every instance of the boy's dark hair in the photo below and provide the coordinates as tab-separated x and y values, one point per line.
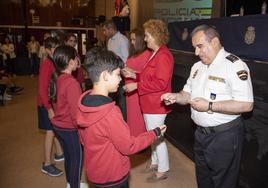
51	42
61	58
99	59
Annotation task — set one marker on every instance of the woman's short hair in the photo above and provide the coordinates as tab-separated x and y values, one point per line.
158	29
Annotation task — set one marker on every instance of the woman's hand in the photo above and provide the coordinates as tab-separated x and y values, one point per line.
169	98
128	73
130	87
163	129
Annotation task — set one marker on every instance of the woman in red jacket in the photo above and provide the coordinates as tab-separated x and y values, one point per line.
151	83
65	102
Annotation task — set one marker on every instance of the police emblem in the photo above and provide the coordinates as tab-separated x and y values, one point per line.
185	34
243	74
213	96
250	35
195	73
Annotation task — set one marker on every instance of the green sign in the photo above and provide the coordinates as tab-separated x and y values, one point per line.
182	10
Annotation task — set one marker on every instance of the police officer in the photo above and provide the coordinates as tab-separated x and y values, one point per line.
218	90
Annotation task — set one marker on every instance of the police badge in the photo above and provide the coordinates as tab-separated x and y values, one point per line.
213	96
243	74
250	35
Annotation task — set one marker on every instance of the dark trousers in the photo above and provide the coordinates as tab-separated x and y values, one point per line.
10	63
120	99
217	157
34	64
71	145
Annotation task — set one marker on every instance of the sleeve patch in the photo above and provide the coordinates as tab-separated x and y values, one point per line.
232	58
195	73
243	74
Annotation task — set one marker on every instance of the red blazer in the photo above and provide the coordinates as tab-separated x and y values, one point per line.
155	80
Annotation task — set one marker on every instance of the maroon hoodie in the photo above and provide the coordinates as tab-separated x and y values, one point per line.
106	139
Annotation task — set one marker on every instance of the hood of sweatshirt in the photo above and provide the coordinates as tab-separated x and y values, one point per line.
92	108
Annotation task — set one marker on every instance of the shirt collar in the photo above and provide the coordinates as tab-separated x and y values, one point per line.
115	36
220	55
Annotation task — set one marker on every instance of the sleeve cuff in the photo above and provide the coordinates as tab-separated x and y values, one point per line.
157	131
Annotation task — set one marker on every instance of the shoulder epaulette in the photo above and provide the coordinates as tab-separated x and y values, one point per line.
232	58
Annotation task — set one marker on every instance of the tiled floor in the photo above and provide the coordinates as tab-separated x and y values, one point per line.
21	150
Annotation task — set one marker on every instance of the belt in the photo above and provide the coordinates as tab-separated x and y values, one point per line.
221	127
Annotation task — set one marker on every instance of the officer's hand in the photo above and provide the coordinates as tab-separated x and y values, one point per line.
199	104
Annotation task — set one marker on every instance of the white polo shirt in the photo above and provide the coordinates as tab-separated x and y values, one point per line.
226	78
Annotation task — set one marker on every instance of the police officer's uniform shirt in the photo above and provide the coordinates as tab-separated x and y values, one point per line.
226	78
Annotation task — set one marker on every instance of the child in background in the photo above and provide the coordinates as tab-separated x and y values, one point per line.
46	112
104	134
9	56
33	48
71	40
42	53
65	101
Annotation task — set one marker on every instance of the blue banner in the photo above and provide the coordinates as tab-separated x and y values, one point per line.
244	36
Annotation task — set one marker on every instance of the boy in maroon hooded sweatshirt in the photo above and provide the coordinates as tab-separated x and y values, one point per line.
104	134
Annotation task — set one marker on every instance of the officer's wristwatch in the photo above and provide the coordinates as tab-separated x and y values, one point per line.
210	111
